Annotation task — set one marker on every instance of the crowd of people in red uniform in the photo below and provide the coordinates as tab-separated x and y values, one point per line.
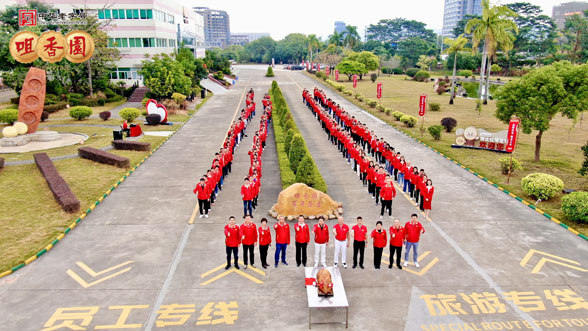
211	183
357	143
252	182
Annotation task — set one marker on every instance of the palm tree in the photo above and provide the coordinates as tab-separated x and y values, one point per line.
455	46
351	37
336	39
313	43
494	28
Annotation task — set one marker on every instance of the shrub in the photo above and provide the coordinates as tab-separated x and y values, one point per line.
80	112
115	98
321	75
495	68
130	145
448	123
360	98
373	77
348	92
442	83
584	169
357	94
51	99
465	73
55	107
109	93
440	90
270	72
100	156
434	106
178	98
305	171
575	206
144	101
397	71
129	114
297	151
505	164
397	115
44	116
153	119
541	186
171	105
219	75
104	115
101	102
411	72
56	183
388	111
287	140
422	76
386	70
410	121
435	131
289	125
380	108
8	116
15	100
371	102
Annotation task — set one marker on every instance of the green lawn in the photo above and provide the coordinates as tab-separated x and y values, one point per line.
560	152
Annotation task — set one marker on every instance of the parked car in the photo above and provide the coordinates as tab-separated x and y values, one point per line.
296	67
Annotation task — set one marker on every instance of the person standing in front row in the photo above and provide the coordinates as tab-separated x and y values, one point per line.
282	239
265	241
321	238
380	240
359	241
396	239
302	237
248	233
232	242
203	195
412	233
341	231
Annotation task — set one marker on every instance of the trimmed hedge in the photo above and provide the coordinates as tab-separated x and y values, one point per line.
55	107
448	123
270	72
575	206
129	114
397	115
434	106
100	156
505	165
466	73
80	112
435	131
422	76
104	115
409	120
411	72
541	186
289	136
57	184
130	145
8	116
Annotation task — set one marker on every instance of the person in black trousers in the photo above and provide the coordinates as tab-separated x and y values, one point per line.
396	241
359	241
265	241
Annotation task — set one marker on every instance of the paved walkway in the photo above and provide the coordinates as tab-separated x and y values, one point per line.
136	256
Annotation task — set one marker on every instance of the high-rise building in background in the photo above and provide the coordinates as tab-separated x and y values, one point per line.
563	11
245	38
340	27
217	27
455	10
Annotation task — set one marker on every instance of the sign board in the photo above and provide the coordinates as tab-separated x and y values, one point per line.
511	138
354	81
336	74
379	91
422	104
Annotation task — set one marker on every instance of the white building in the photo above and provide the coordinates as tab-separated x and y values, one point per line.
245	38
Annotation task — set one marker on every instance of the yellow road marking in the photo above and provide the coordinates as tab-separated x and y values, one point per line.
92	273
217	276
212	271
544	260
253	279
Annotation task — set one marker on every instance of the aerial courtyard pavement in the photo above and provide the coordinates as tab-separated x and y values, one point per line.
136	263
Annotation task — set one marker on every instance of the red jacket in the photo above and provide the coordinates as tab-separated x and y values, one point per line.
247	192
380	179
380	238
321	235
412	232
248	234
388	192
359	233
232	236
265	236
341	231
396	236
282	233
202	192
302	233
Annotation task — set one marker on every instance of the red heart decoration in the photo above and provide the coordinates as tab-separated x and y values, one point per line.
156	108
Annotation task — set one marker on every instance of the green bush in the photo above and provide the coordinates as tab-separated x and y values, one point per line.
297	151
289	125
348	92
371	102
115	98
219	75
388	111
448	123
360	98
466	73
373	77
495	68
321	75
270	72
397	115
144	102
435	131
129	114
55	107
410	121
51	99
305	171
575	206
505	164
380	108
541	186
411	72
109	92
101	102
80	112
8	116
422	76
178	98
434	106
288	140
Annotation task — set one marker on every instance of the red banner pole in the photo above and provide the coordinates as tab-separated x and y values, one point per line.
514	149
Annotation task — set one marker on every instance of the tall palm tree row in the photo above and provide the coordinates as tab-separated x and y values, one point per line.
455	46
495	29
336	39
313	42
350	36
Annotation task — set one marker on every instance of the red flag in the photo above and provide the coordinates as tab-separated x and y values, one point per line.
318	67
336	74
379	91
354	81
422	104
513	132
328	70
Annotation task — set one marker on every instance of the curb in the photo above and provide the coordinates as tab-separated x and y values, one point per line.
514	196
88	211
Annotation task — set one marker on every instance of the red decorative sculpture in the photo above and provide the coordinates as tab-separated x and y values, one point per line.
32	98
156	108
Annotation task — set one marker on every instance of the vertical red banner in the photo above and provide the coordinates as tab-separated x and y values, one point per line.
422	105
336	74
511	138
318	67
328	70
379	91
354	81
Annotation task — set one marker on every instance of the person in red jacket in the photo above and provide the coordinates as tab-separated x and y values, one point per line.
232	241
412	234
203	196
265	241
246	195
380	240
388	192
282	239
428	197
396	239
302	237
380	182
359	241
321	238
423	185
371	177
248	232
341	232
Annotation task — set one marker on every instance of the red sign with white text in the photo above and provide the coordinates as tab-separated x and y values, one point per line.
511	138
336	74
422	104
379	91
328	70
354	81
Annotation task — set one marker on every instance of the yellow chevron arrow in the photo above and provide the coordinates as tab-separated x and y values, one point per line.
554	259
94	274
